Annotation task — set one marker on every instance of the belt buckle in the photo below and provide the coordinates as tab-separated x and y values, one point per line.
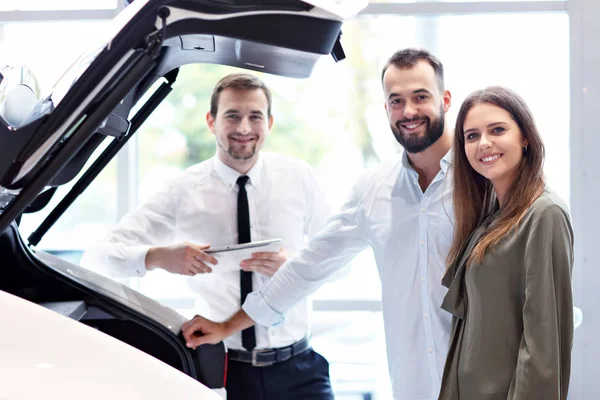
256	363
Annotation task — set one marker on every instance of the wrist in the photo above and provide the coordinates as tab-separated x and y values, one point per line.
228	328
238	322
152	260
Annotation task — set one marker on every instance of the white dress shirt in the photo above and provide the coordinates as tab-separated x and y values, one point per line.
200	206
410	233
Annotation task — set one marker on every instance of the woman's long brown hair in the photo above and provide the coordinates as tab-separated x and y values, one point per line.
474	197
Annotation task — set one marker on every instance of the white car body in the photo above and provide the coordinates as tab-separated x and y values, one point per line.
49	356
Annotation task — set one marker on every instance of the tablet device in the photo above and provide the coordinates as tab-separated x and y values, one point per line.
231	256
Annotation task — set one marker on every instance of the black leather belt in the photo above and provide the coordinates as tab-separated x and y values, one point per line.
268	357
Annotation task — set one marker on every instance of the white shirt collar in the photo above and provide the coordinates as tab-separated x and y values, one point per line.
229	176
445	162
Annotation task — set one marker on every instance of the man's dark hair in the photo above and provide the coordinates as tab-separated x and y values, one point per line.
238	82
409	58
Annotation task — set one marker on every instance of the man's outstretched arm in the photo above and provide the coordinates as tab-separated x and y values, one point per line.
334	247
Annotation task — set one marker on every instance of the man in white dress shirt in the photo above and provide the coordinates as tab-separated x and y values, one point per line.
200	208
403	210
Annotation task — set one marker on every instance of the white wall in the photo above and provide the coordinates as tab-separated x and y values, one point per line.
585	192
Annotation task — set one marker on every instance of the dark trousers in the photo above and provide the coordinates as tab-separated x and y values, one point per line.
303	377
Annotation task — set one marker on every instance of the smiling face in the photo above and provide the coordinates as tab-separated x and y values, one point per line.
493	144
240	126
415	106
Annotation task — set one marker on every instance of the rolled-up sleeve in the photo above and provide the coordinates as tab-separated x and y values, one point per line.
544	360
328	251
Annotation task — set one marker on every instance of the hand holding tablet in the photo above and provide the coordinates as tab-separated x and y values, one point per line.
231	256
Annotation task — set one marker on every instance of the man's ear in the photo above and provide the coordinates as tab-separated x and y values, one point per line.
447	100
210	121
270	122
385	106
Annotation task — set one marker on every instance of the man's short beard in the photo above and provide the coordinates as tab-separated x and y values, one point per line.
416	144
240	157
235	155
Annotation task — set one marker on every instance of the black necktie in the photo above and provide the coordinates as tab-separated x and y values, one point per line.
248	335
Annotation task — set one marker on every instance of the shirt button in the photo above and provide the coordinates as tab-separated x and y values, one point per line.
426	315
422	279
422	243
423	210
430	350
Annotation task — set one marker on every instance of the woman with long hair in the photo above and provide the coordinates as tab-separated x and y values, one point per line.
509	267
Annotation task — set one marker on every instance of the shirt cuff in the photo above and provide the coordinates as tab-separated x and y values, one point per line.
136	259
260	312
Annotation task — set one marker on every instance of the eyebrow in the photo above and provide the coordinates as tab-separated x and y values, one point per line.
234	111
417	91
488	126
422	90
